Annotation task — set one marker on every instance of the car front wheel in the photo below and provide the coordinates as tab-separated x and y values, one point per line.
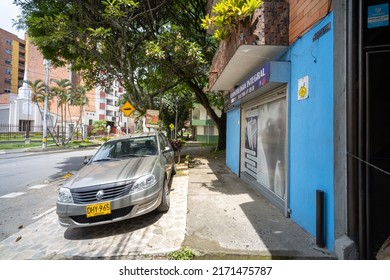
165	201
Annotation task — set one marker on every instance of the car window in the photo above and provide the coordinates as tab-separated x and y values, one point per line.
106	152
126	148
162	142
146	146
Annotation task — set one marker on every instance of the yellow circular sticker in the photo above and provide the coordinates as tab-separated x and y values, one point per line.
302	92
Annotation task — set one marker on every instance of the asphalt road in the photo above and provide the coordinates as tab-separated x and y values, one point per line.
27	192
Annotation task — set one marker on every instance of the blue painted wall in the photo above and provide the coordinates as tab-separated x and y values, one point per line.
311	130
233	140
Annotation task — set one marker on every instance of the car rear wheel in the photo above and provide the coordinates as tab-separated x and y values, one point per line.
165	201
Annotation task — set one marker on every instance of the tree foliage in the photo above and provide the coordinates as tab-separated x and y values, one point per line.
227	14
151	47
65	94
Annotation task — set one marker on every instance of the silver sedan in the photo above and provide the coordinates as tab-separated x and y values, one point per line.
127	177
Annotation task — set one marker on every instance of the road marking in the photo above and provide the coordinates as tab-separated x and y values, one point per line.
12	195
44	213
38	186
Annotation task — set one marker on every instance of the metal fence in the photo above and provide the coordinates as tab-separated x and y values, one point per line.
18	132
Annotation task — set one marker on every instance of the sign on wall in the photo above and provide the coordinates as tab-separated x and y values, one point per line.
256	81
303	88
378	15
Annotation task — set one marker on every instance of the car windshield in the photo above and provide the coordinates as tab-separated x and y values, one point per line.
126	148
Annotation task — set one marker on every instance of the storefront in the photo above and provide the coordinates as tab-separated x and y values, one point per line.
262	102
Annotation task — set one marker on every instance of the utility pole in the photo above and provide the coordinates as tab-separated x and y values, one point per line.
176	117
46	62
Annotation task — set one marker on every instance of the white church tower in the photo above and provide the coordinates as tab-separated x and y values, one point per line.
23	112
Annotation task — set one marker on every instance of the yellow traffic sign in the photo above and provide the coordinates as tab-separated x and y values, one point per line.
127	109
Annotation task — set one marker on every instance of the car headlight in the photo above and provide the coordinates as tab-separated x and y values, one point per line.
144	182
65	196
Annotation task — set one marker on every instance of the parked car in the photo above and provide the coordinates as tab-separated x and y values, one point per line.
127	177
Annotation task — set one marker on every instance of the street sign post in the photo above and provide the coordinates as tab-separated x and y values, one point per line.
172	127
127	109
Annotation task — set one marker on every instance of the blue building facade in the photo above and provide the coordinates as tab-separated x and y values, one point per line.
308	120
280	129
311	150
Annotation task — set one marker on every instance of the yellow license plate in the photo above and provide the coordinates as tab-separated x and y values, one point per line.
98	209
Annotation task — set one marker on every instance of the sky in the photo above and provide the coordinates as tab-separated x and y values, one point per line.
9	11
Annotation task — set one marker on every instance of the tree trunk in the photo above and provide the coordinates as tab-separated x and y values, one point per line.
219	121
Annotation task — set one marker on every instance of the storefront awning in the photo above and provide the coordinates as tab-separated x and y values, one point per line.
245	59
263	79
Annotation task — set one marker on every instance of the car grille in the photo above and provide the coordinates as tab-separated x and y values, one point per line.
118	213
89	195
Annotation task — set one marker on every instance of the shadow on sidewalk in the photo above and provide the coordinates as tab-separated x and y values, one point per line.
122	227
228	219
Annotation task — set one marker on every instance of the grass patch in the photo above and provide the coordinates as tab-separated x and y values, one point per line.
19	145
184	253
6	145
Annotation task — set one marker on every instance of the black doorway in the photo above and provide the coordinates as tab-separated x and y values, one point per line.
378	150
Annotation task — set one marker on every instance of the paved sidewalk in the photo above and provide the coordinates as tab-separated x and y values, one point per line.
228	220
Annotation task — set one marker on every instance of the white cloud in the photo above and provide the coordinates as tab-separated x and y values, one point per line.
8	12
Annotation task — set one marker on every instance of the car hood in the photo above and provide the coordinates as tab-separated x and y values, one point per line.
112	171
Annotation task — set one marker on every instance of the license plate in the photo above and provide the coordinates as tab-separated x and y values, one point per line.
98	209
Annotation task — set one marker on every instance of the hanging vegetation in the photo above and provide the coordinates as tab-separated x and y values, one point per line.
227	14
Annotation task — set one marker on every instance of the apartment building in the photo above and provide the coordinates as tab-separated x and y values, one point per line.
12	64
204	128
108	104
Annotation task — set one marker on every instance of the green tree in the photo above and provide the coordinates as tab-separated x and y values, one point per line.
99	126
62	91
150	46
174	106
37	88
79	98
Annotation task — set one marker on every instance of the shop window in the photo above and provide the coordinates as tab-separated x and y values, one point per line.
264	153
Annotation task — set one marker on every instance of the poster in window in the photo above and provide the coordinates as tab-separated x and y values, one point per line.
272	146
251	137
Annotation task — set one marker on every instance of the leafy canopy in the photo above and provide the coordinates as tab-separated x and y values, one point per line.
151	47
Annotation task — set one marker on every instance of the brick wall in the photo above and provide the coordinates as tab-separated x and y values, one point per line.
267	26
37	70
304	14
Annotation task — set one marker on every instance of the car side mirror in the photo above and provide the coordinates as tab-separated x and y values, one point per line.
167	149
87	159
